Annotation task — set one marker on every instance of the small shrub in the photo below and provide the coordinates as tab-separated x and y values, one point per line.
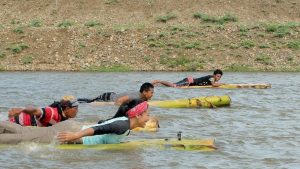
262	46
279	30
65	24
166	17
234	46
212	19
147	58
163	59
264	59
290	58
294	44
19	29
156	44
81	45
35	23
92	24
193	45
27	59
247	44
14	22
2	55
17	48
109	2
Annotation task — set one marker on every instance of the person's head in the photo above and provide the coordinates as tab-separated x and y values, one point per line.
138	114
147	90
69	105
217	74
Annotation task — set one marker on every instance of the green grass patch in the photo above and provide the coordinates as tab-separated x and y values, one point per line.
264	59
234	46
156	44
81	45
281	30
263	46
238	68
247	44
110	2
147	58
65	24
27	59
2	55
193	45
15	22
18	47
290	58
166	18
19	29
113	68
213	19
35	23
294	44
91	24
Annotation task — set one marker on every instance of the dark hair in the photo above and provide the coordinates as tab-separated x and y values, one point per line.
218	71
146	87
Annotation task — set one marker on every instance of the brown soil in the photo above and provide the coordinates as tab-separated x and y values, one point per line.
130	37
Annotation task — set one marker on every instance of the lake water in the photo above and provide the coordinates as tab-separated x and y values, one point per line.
260	129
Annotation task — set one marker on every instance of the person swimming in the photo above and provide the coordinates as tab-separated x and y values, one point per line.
145	93
110	131
57	112
190	81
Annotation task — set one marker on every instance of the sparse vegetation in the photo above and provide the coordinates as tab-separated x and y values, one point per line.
19	29
18	47
2	55
294	44
35	23
147	58
213	19
264	59
165	18
113	68
93	24
27	59
65	24
247	44
262	46
109	2
281	30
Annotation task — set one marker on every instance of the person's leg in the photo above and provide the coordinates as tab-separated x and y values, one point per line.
10	133
165	83
9	127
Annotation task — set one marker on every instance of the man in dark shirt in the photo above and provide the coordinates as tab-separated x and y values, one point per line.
190	81
146	92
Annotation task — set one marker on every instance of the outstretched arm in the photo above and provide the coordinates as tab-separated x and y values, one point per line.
121	100
165	83
216	84
73	136
102	103
29	110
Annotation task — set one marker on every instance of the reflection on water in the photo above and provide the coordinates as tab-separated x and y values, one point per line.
259	130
